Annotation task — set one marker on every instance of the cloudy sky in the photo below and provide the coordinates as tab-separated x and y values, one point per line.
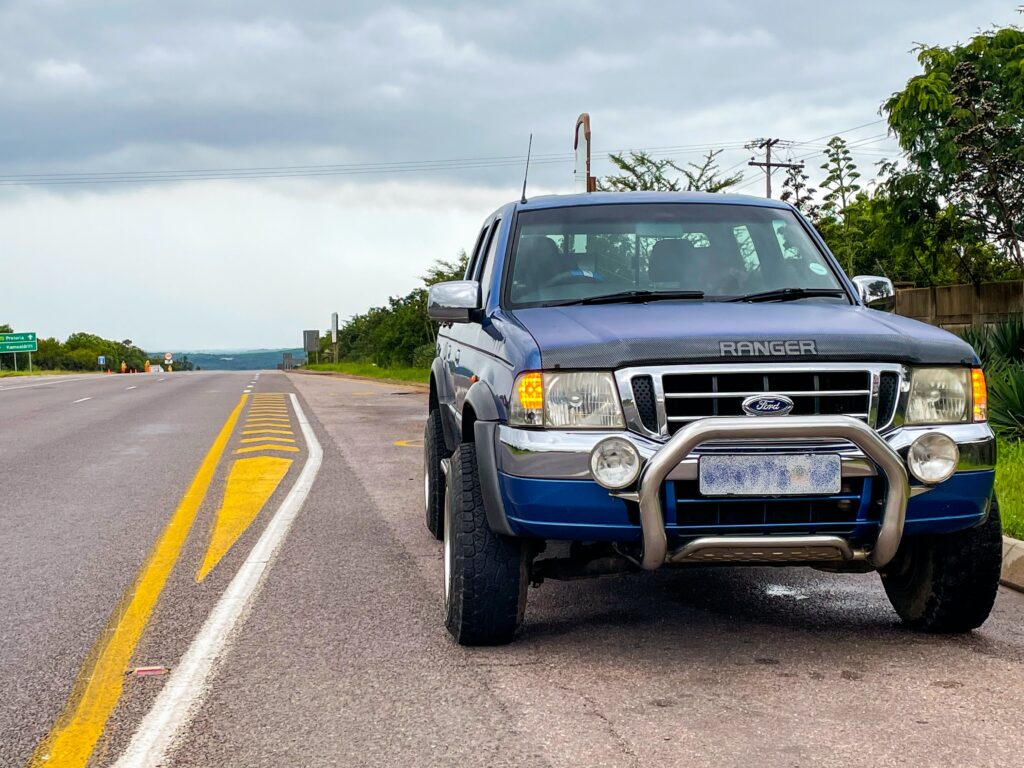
337	113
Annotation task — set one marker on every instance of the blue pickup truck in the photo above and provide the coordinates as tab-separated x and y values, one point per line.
630	381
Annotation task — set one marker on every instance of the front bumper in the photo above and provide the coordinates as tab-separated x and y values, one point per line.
546	490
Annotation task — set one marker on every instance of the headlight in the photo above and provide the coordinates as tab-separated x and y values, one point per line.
614	463
932	458
574	400
939	396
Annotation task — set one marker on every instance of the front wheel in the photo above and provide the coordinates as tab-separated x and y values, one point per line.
434	450
485	573
947	582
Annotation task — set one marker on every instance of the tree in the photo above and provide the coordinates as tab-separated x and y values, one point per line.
961	121
840	184
797	191
443	269
706	177
641	172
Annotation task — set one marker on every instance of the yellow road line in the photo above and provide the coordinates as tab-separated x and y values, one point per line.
268	411
267	437
267	431
268	447
98	686
250	483
416	442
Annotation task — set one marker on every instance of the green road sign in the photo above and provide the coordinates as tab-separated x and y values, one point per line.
18	342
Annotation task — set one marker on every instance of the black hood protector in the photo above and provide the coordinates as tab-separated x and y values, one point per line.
620	335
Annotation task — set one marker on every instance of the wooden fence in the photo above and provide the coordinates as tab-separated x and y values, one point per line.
955	307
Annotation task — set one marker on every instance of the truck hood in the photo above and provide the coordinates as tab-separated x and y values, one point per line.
608	336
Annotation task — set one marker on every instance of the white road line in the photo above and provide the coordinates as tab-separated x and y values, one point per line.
46	383
131	387
82	400
181	697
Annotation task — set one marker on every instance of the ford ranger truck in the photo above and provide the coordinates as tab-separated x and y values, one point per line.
636	380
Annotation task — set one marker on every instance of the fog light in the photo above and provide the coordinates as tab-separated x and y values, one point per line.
933	458
614	463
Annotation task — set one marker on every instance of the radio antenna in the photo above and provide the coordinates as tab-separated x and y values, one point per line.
526	175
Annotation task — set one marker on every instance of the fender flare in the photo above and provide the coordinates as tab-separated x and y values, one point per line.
445	400
483	402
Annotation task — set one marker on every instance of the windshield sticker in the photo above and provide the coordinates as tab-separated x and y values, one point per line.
818	269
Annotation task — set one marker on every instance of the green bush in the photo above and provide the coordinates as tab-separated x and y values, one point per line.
1006	400
1006	340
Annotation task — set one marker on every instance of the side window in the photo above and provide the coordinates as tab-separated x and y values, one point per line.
474	258
747	250
489	259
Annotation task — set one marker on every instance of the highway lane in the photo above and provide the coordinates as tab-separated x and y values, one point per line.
92	468
343	658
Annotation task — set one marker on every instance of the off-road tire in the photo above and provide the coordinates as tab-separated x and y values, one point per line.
486	573
947	583
434	449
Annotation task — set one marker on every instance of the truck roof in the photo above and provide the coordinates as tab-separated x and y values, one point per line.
610	198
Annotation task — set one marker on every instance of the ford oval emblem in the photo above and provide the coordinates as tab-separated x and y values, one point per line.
767	405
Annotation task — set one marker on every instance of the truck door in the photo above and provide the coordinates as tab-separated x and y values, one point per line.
450	335
466	352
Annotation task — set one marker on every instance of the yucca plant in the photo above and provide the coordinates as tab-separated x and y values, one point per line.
979	337
1001	342
1006	339
1006	400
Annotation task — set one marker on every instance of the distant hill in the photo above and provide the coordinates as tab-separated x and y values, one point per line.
240	361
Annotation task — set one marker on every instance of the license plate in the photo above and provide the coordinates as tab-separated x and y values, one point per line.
809	474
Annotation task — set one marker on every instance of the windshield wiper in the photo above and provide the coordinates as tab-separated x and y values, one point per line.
789	294
632	297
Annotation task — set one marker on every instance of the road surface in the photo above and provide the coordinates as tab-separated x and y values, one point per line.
192	575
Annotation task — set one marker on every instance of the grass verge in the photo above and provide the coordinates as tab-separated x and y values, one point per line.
1010	487
416	375
11	374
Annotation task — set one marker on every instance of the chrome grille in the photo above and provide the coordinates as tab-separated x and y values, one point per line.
673	396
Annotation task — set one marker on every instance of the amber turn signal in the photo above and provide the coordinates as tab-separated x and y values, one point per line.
979	394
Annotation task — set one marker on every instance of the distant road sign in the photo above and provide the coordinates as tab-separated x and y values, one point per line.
334	328
168	356
101	360
18	342
311	341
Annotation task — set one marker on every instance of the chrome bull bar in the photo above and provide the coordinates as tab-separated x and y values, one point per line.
769	548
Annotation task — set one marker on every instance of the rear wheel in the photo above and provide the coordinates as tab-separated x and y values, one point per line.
434	450
947	582
485	573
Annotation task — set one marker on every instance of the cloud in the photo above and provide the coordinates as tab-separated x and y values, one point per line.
65	73
114	87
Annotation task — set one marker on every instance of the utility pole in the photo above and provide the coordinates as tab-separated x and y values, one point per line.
768	165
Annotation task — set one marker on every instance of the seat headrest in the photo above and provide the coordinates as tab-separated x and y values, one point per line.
669	260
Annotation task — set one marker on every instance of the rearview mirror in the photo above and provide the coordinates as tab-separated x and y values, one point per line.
876	292
453	301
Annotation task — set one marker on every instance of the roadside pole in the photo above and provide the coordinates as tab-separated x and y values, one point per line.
768	165
334	336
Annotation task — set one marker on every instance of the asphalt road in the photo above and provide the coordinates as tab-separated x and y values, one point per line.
340	658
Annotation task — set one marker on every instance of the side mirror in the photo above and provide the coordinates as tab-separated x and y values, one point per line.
454	301
876	292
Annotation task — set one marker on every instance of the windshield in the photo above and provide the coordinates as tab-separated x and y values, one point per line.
677	251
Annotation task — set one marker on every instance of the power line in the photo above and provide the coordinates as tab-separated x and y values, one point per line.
58	178
768	165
